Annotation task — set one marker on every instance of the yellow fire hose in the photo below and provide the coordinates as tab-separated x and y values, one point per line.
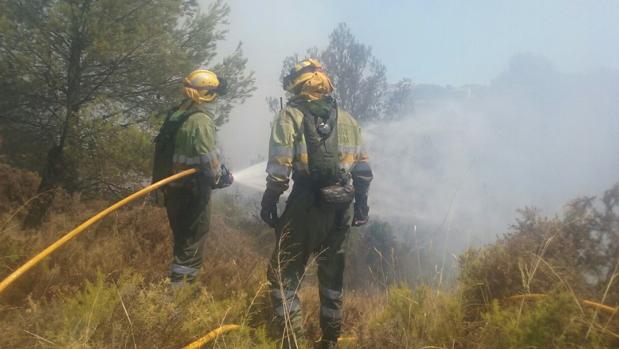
75	232
211	335
227	328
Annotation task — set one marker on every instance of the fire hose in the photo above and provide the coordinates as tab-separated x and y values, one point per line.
200	342
591	304
82	227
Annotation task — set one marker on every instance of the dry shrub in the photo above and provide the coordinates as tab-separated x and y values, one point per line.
127	312
579	251
133	239
231	265
16	188
418	318
73	298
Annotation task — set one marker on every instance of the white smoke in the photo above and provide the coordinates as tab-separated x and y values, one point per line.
467	159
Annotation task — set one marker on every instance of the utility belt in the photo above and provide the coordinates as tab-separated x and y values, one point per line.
337	194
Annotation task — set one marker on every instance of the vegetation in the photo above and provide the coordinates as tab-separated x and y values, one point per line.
81	81
108	288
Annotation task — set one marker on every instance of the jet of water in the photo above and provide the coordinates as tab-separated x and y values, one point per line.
252	177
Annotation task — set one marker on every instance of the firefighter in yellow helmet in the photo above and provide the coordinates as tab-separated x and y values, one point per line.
187	140
320	146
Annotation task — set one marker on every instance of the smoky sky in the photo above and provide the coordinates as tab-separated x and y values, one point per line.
469	157
515	102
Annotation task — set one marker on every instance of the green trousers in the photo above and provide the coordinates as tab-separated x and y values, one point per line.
189	212
308	228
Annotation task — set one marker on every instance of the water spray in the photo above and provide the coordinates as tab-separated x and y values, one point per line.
252	177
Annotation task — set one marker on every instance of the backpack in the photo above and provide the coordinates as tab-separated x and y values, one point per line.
320	134
165	143
321	140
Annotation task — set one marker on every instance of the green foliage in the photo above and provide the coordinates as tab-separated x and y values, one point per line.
553	322
113	159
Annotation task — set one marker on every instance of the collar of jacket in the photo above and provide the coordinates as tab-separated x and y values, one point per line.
321	108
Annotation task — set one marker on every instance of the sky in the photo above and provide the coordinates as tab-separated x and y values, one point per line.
446	42
440	42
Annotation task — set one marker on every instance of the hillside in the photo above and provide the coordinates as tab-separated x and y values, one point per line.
107	289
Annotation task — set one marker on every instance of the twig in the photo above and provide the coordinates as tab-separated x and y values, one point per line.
569	288
127	315
595	313
40	338
251	304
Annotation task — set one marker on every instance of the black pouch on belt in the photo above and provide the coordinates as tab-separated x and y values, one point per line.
337	196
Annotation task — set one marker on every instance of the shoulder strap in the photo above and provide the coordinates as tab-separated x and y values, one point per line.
298	127
169	129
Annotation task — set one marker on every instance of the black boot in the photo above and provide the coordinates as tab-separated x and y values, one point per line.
326	344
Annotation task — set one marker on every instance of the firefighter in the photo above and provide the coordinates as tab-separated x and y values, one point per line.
319	145
187	140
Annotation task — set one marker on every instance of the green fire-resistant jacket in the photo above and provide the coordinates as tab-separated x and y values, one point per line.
195	144
288	150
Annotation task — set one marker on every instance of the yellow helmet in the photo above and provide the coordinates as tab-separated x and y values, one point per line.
203	86
308	78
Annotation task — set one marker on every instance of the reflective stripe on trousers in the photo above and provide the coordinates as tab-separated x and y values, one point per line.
183	270
331	303
288	302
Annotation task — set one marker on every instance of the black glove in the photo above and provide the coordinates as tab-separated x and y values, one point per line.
268	212
225	180
362	210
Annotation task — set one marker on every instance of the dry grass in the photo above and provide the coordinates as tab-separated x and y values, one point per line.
108	288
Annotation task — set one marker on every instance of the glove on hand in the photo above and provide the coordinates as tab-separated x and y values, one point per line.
362	211
226	178
268	212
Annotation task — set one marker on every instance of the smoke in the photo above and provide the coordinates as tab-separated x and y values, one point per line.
468	158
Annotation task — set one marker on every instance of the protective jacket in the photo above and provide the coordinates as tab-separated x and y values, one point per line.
195	144
288	153
191	131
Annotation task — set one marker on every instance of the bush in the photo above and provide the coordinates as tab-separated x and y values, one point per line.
579	251
555	321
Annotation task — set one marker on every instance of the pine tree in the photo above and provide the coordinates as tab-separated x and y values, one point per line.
71	69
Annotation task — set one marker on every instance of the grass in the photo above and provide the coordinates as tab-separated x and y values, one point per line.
108	288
